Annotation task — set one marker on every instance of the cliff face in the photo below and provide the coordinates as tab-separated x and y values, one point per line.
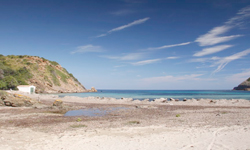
244	85
47	76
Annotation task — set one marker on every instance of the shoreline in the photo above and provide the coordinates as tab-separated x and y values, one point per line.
145	125
159	101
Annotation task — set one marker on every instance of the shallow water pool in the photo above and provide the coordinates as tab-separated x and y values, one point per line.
92	112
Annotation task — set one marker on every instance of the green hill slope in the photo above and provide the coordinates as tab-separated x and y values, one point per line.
47	76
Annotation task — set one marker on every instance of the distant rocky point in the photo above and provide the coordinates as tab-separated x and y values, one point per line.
245	86
48	76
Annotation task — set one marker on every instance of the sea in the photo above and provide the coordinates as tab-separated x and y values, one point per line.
154	94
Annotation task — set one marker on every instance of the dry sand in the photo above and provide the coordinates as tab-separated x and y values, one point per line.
194	125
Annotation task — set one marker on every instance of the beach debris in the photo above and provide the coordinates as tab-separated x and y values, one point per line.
133	122
184	99
212	101
177	115
127	99
58	103
171	99
176	100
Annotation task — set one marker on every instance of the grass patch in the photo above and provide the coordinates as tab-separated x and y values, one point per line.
63	76
79	126
177	115
133	122
78	119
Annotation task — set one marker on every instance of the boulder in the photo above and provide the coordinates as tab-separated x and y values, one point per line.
172	99
92	90
16	100
58	103
161	100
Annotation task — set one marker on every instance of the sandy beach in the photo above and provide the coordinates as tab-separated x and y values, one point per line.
136	125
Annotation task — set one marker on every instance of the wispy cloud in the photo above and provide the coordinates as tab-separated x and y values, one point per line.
214	36
168	46
203	60
122	12
224	61
239	77
172	57
87	49
136	22
241	16
212	50
130	56
146	62
170	78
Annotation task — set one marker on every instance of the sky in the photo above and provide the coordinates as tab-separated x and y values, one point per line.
134	44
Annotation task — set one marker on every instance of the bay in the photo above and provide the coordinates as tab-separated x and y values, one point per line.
177	94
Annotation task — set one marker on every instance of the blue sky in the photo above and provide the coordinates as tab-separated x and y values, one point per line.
134	44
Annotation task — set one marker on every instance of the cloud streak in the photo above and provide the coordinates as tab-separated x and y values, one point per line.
224	61
146	62
136	22
168	46
170	78
87	49
130	56
212	50
172	57
214	36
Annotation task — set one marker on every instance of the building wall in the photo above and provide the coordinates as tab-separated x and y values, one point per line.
26	89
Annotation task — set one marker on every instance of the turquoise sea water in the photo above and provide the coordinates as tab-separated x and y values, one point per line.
177	94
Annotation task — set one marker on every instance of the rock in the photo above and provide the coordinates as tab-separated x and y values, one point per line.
171	99
161	100
58	103
176	100
245	85
184	99
16	100
92	90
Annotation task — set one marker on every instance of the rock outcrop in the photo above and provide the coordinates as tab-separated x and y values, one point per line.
92	90
16	100
245	86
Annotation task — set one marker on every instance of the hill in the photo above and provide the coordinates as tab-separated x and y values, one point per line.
48	76
244	85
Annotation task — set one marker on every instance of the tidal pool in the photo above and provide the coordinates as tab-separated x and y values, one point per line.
92	112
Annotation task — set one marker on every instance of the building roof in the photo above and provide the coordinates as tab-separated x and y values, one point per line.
24	85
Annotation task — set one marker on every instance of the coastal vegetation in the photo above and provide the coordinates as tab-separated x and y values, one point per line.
46	75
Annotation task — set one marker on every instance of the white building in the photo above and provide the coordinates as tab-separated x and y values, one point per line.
27	88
